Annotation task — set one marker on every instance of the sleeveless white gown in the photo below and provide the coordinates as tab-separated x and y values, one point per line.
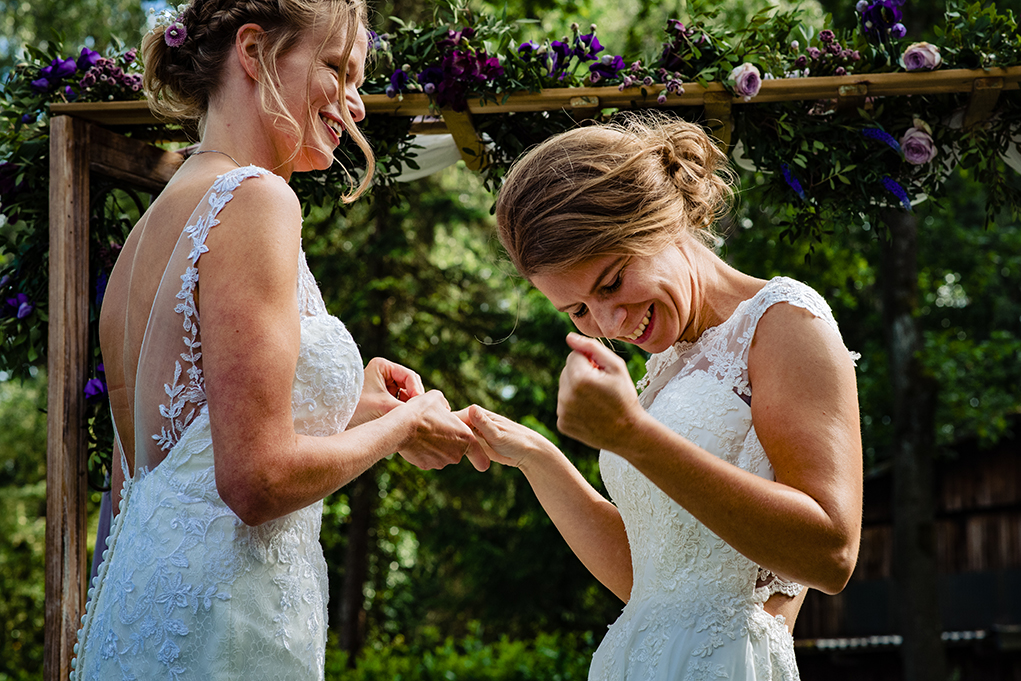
187	590
696	606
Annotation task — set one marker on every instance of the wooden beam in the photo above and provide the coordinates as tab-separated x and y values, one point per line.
459	124
66	450
554	99
133	162
984	94
719	116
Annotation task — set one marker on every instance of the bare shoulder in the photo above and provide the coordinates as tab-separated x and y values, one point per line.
792	338
265	202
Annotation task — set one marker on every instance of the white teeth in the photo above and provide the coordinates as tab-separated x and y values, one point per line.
335	125
636	334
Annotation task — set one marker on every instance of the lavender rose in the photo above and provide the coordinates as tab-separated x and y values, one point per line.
919	56
917	144
747	80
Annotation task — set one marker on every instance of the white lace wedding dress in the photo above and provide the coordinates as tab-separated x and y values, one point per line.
187	590
696	606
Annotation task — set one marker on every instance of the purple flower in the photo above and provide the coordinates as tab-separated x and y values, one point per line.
88	80
898	30
88	58
175	35
813	52
561	52
69	94
130	56
528	49
834	48
28	118
61	68
920	56
398	82
587	46
894	188
95	388
826	36
917	143
675	86
101	281
19	306
880	17
747	80
40	85
861	6
607	67
882	136
840	71
801	62
792	181
662	97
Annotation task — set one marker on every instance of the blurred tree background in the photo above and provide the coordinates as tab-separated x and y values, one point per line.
460	574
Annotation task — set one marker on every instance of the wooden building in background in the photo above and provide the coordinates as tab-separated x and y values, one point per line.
855	634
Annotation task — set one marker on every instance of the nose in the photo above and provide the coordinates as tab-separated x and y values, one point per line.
609	318
354	102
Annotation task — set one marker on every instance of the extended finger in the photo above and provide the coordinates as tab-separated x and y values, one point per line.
409	384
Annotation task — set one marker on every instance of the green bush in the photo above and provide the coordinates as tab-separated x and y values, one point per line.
548	657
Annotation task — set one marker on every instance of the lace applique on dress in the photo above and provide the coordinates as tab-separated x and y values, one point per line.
184	400
186	589
695	610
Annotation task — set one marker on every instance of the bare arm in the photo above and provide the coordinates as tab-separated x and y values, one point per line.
589	523
250	343
804	526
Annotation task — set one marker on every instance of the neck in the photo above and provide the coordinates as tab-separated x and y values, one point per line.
716	289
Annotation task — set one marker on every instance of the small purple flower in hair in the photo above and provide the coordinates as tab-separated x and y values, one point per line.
175	35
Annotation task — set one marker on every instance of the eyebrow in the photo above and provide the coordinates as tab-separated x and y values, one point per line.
602	275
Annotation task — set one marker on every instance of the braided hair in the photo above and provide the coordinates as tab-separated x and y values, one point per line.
629	187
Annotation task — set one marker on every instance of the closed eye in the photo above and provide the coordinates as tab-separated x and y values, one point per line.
580	312
615	284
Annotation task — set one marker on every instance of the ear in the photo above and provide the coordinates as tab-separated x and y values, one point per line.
246	46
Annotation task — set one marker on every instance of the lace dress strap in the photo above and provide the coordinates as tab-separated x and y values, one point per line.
184	396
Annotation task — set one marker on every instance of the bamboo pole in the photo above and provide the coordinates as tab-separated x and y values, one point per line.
66	450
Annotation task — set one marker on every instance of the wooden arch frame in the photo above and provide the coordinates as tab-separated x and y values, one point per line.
80	145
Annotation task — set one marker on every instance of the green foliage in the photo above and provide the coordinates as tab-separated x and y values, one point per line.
22	527
475	657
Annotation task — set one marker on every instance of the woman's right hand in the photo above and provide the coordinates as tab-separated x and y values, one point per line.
504	441
440	437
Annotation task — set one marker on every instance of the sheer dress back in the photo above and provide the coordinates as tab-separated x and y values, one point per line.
187	590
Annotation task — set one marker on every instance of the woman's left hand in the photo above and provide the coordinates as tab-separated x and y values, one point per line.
387	385
597	402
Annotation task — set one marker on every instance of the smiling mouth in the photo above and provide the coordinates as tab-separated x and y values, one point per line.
335	126
640	329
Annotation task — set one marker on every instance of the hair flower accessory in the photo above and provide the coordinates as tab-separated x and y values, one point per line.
175	35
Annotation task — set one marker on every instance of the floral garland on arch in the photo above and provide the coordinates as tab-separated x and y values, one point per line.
817	165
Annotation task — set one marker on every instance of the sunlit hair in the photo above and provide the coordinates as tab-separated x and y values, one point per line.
179	81
630	187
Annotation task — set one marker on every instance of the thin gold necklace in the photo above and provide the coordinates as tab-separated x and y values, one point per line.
214	151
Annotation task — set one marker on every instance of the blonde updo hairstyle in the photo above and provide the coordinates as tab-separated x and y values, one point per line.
179	81
630	187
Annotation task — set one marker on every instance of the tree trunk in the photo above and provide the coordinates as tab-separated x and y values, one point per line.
356	565
373	338
914	398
